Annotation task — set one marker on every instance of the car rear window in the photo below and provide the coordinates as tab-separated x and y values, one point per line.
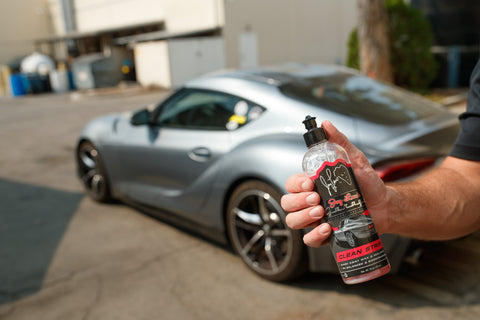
361	97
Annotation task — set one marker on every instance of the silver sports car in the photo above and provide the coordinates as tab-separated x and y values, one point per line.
215	155
355	231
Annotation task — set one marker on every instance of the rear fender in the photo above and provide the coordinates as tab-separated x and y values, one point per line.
270	159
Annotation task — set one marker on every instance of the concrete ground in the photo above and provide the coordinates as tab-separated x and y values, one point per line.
63	256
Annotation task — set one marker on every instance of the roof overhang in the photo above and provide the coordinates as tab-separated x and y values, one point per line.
75	35
163	35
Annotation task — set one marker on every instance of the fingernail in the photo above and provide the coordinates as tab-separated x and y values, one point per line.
323	229
312	199
316	212
306	185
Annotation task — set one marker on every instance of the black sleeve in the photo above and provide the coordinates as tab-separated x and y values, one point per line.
467	145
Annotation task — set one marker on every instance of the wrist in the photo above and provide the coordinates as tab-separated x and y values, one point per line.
385	217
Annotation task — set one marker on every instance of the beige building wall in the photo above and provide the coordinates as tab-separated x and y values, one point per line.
21	22
56	17
178	15
256	32
309	31
186	15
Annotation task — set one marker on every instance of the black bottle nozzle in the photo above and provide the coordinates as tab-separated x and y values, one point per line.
310	122
313	134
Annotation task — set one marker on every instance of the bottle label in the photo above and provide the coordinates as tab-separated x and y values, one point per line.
354	240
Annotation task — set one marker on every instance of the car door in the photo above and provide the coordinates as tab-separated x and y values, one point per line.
171	162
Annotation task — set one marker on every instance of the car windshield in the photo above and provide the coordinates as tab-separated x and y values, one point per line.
361	97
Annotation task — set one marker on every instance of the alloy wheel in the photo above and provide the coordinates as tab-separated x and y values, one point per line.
260	236
92	172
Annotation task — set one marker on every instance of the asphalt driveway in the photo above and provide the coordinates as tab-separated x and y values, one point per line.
63	256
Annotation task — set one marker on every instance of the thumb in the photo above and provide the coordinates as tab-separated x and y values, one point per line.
358	160
369	181
335	136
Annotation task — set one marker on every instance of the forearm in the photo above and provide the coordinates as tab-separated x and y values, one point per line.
442	204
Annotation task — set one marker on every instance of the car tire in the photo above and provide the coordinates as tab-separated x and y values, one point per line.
92	172
352	240
258	233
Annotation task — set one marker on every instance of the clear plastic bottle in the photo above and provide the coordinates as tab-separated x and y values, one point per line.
354	242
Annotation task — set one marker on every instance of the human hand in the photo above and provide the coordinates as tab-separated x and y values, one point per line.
303	202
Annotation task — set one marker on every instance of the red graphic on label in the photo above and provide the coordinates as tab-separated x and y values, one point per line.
359	251
330	164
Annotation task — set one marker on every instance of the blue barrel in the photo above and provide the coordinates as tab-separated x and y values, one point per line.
70	81
19	84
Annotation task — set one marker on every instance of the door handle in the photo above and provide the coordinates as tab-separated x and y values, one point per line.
200	154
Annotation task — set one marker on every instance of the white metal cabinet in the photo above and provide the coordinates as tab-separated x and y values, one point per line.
170	63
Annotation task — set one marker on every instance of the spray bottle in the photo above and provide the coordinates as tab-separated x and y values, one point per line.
355	244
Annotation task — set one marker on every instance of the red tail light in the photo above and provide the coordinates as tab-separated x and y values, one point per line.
402	169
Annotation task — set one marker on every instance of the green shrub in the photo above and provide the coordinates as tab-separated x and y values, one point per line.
353	60
411	37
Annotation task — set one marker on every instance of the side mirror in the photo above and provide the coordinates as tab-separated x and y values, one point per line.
141	117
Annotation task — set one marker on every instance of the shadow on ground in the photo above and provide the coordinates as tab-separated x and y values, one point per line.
446	275
33	220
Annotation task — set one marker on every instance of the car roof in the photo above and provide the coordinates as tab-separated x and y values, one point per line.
275	75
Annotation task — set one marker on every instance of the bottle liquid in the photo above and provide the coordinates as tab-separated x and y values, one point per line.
357	249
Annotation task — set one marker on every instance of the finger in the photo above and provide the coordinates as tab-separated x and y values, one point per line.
306	218
318	236
298	183
298	201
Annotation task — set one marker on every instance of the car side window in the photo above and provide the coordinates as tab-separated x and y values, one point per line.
206	110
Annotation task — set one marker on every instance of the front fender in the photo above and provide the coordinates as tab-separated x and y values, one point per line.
99	130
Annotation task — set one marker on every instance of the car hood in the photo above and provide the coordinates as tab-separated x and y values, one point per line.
431	136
